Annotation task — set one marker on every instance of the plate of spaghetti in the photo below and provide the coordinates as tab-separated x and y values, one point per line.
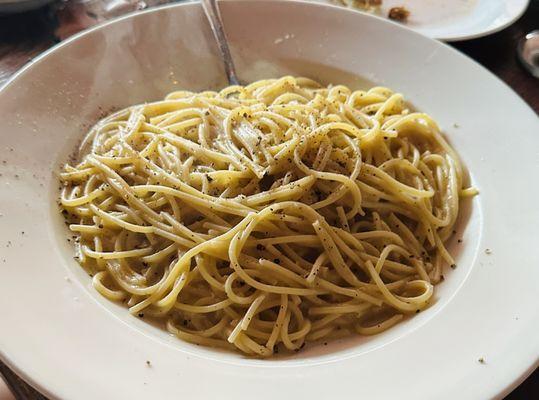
347	212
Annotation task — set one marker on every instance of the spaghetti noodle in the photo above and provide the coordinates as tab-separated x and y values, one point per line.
266	216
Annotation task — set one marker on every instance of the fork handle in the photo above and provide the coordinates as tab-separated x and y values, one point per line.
212	12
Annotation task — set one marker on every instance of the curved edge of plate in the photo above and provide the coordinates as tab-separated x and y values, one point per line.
491	31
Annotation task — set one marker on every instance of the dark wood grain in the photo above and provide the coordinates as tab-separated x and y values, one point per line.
498	54
20	389
26	35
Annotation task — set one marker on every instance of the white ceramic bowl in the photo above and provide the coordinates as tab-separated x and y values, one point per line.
61	336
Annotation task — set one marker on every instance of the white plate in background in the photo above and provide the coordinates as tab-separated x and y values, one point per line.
70	343
453	20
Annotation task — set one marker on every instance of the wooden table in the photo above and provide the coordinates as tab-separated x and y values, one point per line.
26	35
